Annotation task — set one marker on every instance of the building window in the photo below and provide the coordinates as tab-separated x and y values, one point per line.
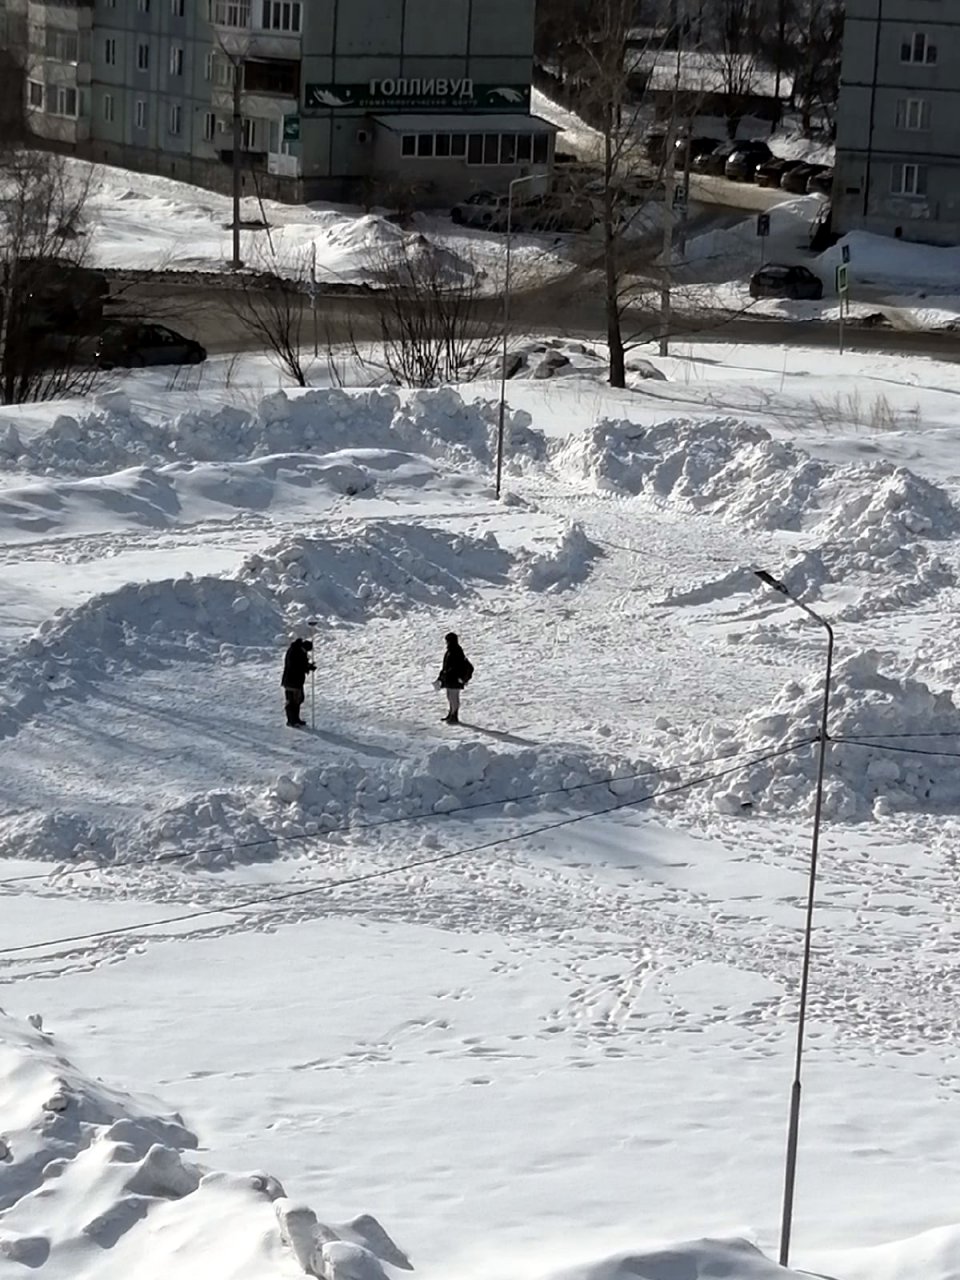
62	46
408	145
176	60
230	13
108	107
209	126
176	8
110	51
909	180
425	146
140	115
281	15
143	57
175	119
248	139
61	101
918	49
913	114
143	6
35	94
224	72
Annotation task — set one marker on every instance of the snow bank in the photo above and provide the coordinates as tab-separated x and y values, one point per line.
884	260
96	1182
790	224
861	781
741	473
689	1260
567	564
438	423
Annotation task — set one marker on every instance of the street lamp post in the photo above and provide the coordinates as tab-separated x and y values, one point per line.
501	417
793	1129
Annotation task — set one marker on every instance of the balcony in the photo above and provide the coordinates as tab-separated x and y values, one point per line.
231	15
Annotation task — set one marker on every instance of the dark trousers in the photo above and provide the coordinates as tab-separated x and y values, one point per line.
294	701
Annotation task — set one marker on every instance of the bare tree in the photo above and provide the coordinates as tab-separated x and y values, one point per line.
49	300
271	305
436	320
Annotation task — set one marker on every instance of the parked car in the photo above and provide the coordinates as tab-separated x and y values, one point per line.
555	211
770	173
822	234
713	162
821	183
781	280
695	146
741	165
796	180
54	295
131	346
481	209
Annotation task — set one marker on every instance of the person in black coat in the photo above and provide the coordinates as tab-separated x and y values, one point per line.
296	667
454	675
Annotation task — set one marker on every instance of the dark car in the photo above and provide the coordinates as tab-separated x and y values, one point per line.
52	295
132	346
742	163
694	147
713	162
481	209
796	180
821	184
780	280
771	172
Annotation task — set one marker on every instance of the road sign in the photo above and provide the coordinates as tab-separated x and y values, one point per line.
763	224
843	283
679	197
845	253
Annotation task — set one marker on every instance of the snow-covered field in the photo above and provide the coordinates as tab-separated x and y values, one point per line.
524	991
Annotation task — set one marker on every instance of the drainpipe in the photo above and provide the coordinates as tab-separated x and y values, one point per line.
873	112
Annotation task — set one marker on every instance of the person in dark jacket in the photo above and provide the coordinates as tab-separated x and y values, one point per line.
296	666
454	675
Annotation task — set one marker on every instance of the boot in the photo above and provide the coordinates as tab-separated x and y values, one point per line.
451	718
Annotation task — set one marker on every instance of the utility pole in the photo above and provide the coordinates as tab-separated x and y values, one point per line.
237	262
669	190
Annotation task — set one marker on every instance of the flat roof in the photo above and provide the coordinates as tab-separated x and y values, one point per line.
462	122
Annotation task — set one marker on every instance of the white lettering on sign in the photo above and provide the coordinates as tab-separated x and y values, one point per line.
418	88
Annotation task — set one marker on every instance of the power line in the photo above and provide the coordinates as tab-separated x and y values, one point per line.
887	746
413	865
395	820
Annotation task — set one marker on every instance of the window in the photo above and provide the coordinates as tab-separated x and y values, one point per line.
230	13
524	148
176	60
209	126
143	6
63	46
425	145
913	114
249	134
35	94
276	75
224	72
475	148
442	146
143	57
108	107
61	101
541	148
408	145
918	49
208	65
458	146
909	180
175	119
281	15
141	114
110	51
176	8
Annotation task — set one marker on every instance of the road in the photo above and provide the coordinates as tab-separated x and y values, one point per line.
212	316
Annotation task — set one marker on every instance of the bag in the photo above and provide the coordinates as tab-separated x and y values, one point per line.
467	671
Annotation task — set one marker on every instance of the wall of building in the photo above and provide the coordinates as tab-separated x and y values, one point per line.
895	114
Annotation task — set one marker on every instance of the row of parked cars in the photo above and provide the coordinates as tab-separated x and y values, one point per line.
744	161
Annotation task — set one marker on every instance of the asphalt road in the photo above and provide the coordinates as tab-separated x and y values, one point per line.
213	317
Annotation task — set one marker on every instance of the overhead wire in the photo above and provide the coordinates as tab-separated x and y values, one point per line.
411	865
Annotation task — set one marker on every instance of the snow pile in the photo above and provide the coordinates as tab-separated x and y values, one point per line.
720	465
790	224
376	570
884	260
860	781
689	1260
565	565
438	423
892	508
96	1182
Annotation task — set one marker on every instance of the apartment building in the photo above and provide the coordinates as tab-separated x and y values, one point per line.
338	99
898	123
